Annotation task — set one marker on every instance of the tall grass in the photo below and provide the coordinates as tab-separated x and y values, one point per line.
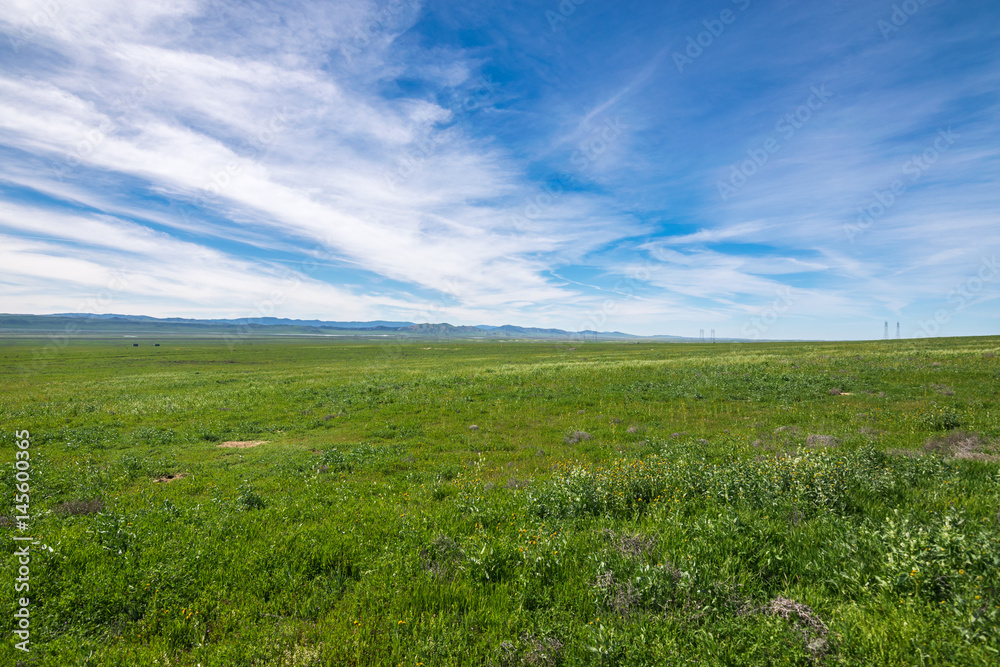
696	523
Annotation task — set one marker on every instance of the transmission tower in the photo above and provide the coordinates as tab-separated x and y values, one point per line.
701	335
885	335
897	330
713	335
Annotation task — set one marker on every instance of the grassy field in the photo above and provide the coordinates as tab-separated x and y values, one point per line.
505	504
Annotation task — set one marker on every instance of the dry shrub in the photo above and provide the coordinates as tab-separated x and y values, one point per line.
441	557
816	440
530	651
805	620
963	445
621	598
795	517
577	436
79	507
631	545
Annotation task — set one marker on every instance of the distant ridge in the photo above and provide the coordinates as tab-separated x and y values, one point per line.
132	325
266	321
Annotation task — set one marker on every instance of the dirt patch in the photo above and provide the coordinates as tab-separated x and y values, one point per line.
171	478
242	444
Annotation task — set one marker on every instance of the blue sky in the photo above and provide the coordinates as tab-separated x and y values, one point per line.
764	169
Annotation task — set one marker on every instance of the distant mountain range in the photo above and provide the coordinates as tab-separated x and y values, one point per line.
267	321
110	324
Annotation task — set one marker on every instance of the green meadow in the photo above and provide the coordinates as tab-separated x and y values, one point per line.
302	502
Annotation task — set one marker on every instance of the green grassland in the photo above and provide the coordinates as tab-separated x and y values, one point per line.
504	503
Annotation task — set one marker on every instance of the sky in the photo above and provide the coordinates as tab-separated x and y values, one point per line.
761	169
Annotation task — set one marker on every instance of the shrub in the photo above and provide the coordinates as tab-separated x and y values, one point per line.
79	507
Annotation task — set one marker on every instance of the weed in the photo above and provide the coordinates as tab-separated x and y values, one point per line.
248	499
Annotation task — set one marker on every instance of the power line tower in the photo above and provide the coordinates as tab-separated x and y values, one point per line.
701	335
897	331
713	335
885	335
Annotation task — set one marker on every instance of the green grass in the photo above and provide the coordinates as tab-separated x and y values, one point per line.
507	504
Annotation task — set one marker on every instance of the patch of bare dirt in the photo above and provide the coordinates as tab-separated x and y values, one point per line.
242	444
171	478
